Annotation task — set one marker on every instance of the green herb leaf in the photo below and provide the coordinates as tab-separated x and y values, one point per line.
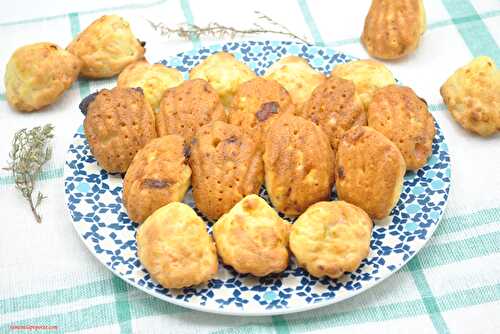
29	153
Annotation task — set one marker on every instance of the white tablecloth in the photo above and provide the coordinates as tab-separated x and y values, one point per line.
47	276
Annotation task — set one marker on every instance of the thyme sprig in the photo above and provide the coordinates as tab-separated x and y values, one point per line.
30	151
264	24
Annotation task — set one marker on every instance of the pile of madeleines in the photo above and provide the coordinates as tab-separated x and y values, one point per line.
225	132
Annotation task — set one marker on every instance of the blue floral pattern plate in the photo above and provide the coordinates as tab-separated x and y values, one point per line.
94	199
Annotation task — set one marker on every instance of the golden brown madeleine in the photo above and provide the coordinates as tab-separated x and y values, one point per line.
369	171
335	107
368	76
331	238
106	47
252	238
118	124
174	246
158	175
187	107
154	79
472	95
299	164
256	103
227	166
393	28
37	75
224	72
400	115
297	76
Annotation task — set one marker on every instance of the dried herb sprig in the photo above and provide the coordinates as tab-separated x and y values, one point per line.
30	151
264	24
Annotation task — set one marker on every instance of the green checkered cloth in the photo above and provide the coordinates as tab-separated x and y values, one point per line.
48	278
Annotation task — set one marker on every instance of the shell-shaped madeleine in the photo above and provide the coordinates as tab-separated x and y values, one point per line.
227	166
256	104
404	118
158	175
119	122
335	107
298	164
187	107
393	28
369	171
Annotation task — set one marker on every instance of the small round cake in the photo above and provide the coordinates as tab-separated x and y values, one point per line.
175	248
252	238
472	95
106	47
297	76
331	238
224	73
367	75
154	79
38	74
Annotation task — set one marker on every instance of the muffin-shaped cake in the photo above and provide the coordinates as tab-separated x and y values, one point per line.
256	104
224	73
331	238
299	164
393	28
174	246
335	107
367	75
369	171
252	238
158	175
106	47
227	166
37	75
187	107
119	122
154	79
472	95
400	115
297	76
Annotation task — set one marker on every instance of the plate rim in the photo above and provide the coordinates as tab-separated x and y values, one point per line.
243	312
